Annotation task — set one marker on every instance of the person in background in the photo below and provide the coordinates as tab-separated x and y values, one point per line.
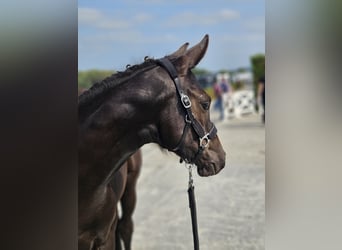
225	97
261	96
219	99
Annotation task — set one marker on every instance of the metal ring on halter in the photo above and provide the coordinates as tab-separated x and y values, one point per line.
185	101
204	141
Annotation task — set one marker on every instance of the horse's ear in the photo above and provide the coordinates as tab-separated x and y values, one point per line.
193	56
179	52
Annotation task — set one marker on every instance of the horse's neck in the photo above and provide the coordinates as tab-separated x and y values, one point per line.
125	121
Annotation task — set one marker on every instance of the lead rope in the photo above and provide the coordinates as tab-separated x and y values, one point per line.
192	205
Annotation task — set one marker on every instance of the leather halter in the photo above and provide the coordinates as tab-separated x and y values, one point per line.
204	137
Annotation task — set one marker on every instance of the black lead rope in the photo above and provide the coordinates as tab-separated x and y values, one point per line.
203	136
192	205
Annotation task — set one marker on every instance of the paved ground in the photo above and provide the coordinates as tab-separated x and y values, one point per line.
230	205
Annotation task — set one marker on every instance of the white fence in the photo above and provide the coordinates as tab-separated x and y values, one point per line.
240	103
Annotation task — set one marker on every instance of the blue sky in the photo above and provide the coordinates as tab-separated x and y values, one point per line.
114	33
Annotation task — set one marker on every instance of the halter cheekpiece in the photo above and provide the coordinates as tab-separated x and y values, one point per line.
204	137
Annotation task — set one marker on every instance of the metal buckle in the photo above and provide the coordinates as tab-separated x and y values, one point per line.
185	101
204	141
187	120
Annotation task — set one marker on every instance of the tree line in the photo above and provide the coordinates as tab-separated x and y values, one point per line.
89	77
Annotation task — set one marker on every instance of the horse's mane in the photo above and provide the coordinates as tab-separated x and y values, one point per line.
99	88
91	98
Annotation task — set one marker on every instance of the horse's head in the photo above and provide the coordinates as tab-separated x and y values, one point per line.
185	126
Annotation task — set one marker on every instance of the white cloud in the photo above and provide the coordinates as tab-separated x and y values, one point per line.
249	37
162	1
194	19
127	37
227	14
102	39
256	24
142	17
88	17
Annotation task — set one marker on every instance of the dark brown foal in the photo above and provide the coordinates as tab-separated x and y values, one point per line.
157	101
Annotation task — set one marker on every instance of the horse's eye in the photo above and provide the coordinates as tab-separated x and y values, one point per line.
205	105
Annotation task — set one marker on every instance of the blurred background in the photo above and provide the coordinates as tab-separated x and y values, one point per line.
39	66
112	35
231	205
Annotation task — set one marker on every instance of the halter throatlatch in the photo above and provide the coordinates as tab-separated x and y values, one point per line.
204	137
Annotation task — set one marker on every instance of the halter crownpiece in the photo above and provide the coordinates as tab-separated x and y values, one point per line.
204	137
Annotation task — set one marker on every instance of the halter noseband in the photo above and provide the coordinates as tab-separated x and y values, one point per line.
204	137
